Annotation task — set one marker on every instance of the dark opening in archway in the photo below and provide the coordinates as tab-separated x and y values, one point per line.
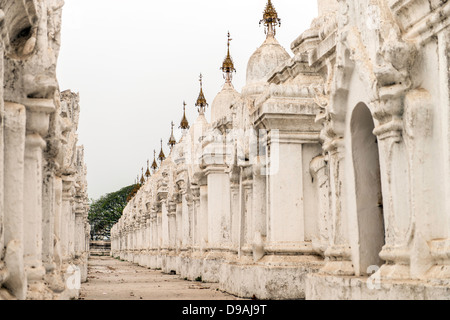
369	202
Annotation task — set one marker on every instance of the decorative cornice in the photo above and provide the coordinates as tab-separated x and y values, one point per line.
420	19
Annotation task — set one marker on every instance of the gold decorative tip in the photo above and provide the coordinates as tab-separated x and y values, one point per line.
228	65
201	103
147	173
138	182
270	19
142	176
161	156
154	164
184	122
172	140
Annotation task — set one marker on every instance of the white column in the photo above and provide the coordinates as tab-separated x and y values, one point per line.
248	217
196	217
338	252
38	119
144	232
14	154
286	190
14	146
318	169
148	244
140	234
219	220
154	223
79	232
72	230
191	211
179	225
259	205
66	215
58	220
172	225
203	220
48	218
164	225
34	146
235	215
185	221
159	229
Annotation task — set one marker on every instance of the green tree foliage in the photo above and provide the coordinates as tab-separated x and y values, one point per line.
106	211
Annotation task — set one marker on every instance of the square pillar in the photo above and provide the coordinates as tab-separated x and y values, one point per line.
154	231
186	222
248	217
34	146
285	180
172	218
179	220
196	216
66	215
235	215
71	235
79	233
259	208
159	230
164	225
14	155
37	125
48	218
219	210
285	127
148	232
13	220
203	219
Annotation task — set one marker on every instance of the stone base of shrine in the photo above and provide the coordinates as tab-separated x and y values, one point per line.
274	277
271	278
331	287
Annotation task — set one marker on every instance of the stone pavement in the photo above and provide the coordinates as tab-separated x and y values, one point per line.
112	279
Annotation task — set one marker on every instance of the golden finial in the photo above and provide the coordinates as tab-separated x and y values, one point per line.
201	103
184	122
270	19
172	140
142	176
228	65
154	164
161	156
147	173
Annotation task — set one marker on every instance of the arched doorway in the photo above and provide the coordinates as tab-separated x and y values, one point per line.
368	195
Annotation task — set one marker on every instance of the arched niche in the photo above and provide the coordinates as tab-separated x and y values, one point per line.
368	192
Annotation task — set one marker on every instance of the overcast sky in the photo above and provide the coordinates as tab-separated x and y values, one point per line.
134	62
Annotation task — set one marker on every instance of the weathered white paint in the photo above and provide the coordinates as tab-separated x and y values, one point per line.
38	150
349	175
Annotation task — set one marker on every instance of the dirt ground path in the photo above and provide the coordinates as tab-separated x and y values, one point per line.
112	279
